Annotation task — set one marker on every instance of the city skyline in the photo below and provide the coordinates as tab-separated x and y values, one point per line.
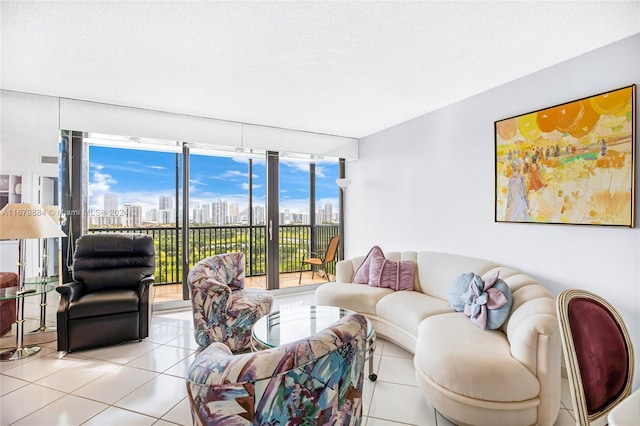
218	212
118	178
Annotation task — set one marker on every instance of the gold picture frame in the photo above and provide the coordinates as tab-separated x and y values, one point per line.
572	163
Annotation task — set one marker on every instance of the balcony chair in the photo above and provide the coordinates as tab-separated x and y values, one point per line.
223	311
321	261
317	381
108	301
598	354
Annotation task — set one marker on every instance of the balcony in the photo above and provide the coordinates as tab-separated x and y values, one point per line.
296	244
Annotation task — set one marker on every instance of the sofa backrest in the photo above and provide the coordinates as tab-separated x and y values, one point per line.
436	270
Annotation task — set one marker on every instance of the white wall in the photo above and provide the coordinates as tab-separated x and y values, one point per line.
428	184
28	131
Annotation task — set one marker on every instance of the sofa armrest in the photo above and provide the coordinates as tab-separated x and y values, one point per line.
345	271
534	336
531	322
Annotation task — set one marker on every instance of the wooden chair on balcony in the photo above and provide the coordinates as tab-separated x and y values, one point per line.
320	261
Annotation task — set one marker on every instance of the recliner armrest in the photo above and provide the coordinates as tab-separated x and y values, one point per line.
71	291
147	282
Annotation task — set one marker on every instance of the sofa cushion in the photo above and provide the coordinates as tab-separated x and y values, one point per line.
359	298
469	361
406	309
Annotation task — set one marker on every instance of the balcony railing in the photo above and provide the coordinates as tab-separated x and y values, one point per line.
296	243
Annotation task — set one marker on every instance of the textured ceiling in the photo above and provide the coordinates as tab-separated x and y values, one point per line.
342	68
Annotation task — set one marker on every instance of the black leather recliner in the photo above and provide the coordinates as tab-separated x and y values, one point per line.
109	300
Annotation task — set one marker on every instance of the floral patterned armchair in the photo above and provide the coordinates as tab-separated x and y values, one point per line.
223	311
313	381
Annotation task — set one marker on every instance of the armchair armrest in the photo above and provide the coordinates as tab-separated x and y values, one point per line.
145	283
71	291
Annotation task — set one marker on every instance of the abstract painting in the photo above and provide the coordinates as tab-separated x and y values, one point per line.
569	164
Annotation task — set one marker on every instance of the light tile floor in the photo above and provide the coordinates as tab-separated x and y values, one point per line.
143	383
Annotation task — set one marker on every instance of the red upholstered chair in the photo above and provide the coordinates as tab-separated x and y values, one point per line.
7	307
597	352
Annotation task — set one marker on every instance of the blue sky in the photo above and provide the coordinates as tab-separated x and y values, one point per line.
139	177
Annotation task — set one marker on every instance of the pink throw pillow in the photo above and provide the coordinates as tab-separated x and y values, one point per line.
376	266
378	271
396	275
362	273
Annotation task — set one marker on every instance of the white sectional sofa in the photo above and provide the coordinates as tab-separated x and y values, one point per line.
509	376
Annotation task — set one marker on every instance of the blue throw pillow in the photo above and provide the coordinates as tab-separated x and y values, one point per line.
458	287
467	293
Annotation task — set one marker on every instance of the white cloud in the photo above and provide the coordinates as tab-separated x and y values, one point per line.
245	186
320	172
99	184
232	175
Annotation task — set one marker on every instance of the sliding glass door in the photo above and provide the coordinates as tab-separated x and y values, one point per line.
139	190
278	209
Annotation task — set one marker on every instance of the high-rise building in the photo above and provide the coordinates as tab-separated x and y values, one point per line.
132	215
205	211
152	215
258	215
110	212
328	213
234	213
165	207
201	213
165	203
219	212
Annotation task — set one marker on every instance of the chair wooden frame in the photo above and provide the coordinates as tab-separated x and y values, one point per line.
571	357
318	260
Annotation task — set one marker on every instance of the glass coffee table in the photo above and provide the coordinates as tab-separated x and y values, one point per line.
9	293
293	323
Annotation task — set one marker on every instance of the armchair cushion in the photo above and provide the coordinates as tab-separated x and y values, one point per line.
106	302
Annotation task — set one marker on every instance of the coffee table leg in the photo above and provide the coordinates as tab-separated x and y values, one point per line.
371	348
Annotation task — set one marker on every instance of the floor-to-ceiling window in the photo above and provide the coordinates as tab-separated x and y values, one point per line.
138	186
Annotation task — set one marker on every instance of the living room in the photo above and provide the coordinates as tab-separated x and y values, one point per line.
422	182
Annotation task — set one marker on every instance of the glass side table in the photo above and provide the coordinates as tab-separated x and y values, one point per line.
43	301
9	293
294	323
